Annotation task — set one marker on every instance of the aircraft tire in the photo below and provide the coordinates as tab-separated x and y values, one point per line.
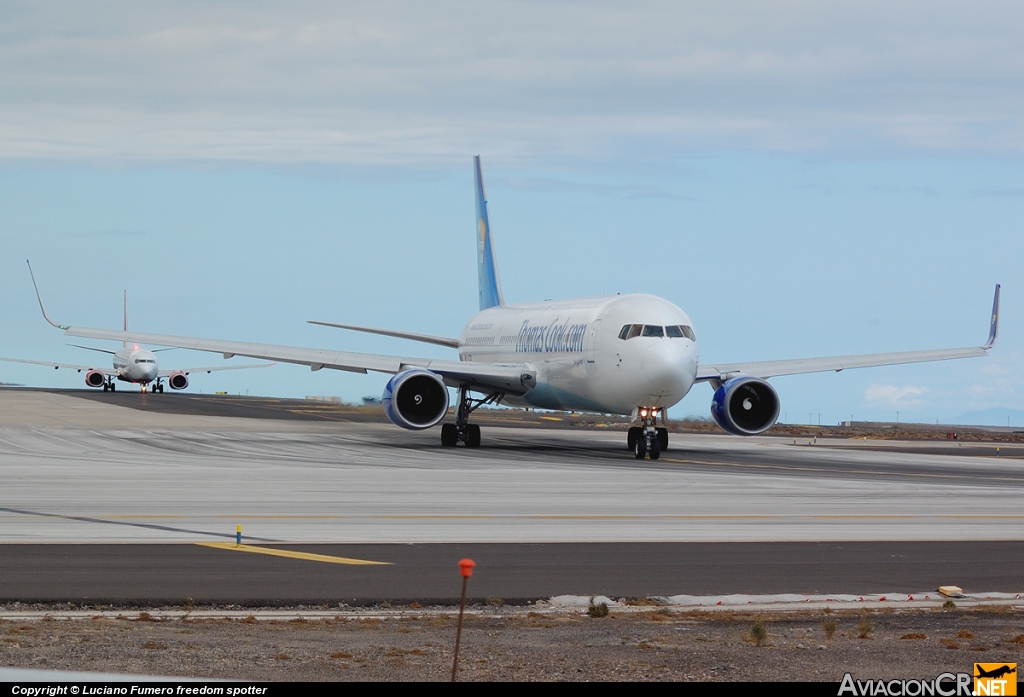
631	435
640	448
663	438
472	436
655	448
113	387
449	435
106	387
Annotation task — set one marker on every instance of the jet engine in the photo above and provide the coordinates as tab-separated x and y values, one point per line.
177	381
415	399
745	406
95	378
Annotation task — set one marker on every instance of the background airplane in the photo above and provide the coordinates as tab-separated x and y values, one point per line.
633	355
131	363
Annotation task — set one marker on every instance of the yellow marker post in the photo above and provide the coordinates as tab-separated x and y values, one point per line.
238	536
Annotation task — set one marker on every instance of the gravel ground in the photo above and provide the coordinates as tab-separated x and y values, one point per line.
521	644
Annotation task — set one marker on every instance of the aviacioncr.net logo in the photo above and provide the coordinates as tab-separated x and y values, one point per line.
995	679
945	685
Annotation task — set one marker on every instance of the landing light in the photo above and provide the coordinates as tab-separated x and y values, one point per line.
643	412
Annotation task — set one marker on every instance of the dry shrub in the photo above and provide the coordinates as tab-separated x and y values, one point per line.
949	644
341	654
251	619
865	627
949	605
414	605
759	632
914	635
830	625
145	617
644	602
283	657
1019	639
964	634
153	645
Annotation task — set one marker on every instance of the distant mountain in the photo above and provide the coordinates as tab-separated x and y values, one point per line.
992	417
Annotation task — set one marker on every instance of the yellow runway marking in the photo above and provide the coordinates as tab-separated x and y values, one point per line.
290	554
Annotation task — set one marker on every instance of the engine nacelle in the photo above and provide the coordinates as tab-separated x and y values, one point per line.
95	378
745	406
177	381
415	399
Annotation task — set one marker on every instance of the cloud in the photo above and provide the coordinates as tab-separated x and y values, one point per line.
628	191
1012	192
893	396
358	82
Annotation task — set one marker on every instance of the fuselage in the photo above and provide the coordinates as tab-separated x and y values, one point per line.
134	364
610	354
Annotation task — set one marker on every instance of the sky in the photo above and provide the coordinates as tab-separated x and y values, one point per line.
802	178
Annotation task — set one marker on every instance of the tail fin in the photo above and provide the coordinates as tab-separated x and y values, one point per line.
487	269
126	312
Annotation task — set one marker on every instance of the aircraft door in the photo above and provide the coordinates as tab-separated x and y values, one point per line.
592	341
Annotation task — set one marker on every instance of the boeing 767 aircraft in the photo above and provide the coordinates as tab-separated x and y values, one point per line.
633	355
131	363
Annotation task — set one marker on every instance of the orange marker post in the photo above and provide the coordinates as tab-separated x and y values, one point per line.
466	567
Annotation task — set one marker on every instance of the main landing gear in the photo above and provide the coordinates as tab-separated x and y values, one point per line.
109	385
462	431
647	439
157	386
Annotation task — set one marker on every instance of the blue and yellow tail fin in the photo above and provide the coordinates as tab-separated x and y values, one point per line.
487	269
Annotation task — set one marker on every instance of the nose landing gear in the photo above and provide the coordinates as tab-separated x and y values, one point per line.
462	431
647	439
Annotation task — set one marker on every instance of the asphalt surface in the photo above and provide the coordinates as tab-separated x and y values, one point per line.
168	574
105	498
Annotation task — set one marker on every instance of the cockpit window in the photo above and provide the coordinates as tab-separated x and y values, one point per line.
629	331
680	332
677	331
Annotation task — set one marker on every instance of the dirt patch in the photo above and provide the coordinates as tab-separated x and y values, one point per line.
504	643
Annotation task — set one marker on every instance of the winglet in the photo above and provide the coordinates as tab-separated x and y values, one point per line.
40	299
487	268
993	330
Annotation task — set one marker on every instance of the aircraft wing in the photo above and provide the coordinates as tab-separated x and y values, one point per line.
69	366
512	378
425	338
768	369
189	371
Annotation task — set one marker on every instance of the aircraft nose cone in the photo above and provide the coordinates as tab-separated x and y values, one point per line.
670	365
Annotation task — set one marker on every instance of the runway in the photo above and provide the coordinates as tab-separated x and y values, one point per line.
151	478
166	574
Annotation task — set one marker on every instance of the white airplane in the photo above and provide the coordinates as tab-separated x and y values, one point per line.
131	363
633	355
